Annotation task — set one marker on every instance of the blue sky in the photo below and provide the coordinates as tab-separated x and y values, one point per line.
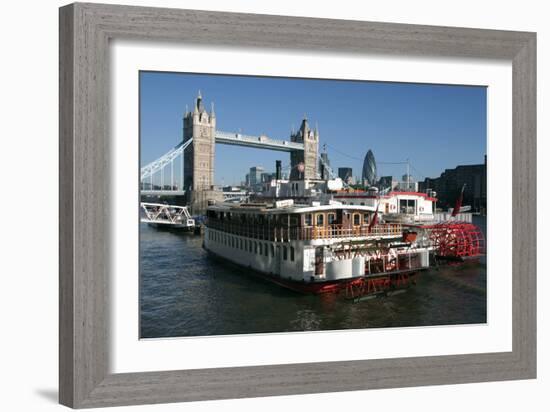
434	126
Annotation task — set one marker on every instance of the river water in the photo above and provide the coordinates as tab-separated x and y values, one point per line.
183	292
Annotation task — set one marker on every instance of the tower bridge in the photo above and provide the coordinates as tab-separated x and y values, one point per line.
197	150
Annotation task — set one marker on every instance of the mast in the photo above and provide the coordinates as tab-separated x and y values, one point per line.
408	176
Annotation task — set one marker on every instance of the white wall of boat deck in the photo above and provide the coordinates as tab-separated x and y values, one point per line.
257	260
28	248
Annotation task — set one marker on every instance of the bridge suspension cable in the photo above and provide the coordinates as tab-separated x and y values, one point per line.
160	164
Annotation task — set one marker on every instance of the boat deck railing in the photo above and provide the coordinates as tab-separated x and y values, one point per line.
284	234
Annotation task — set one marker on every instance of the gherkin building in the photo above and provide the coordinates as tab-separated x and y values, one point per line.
369	169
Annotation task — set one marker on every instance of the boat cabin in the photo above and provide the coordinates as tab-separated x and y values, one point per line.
297	223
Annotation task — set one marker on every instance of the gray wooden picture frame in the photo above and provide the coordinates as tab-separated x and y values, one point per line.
85	32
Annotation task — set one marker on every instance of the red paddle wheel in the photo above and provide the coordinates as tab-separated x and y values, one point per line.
458	240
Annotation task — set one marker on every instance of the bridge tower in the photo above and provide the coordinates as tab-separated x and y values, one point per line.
198	172
198	164
310	139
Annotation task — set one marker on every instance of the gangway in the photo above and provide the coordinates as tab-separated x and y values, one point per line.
167	216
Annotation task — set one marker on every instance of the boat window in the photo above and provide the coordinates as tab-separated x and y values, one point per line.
362	203
292	254
407	206
260	248
331	218
255	247
307	219
356	219
285	253
284	220
320	219
293	220
272	251
249	246
366	218
265	249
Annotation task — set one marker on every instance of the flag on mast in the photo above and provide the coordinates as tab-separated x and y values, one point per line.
374	219
458	203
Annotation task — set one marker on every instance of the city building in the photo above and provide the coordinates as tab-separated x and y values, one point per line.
323	172
387	183
255	176
267	177
346	174
449	184
408	184
369	169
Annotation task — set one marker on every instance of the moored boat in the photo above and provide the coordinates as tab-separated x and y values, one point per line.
315	248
